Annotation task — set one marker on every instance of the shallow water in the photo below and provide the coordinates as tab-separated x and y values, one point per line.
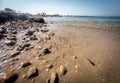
106	21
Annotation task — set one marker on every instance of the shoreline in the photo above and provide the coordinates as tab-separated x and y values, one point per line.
88	55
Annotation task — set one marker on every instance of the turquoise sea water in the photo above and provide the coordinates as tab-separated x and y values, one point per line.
114	21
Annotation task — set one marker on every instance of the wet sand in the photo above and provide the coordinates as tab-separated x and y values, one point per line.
89	56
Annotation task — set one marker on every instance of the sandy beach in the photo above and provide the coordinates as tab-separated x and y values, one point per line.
88	55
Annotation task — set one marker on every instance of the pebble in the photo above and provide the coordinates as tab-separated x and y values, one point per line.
10	77
25	64
14	54
63	70
45	51
49	66
10	42
32	72
54	77
74	57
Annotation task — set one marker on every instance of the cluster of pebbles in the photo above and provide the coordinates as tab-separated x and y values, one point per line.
16	37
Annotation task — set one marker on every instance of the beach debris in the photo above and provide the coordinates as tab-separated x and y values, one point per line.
91	62
62	70
32	72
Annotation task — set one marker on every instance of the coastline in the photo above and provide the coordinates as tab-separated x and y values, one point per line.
89	56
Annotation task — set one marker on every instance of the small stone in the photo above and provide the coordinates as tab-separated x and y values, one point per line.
47	70
14	54
32	72
63	70
45	51
39	47
25	64
49	66
46	37
24	76
11	37
51	34
76	66
74	57
10	42
10	77
44	30
54	78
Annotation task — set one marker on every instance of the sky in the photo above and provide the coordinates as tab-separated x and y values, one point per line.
65	7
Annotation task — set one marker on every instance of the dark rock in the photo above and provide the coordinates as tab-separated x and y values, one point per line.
10	77
29	32
25	64
11	37
10	42
32	72
2	29
14	54
33	37
40	20
20	48
1	35
45	51
26	45
44	30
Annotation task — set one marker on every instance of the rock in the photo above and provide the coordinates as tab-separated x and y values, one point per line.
45	51
11	37
26	45
29	32
46	37
33	37
20	48
74	57
32	72
39	47
54	77
37	19
51	34
25	64
24	76
2	29
44	30
63	70
10	77
14	32
49	66
10	42
14	54
1	35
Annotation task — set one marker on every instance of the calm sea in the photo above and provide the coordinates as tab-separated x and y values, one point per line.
115	21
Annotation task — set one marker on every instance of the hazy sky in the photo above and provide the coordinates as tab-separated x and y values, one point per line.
70	7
